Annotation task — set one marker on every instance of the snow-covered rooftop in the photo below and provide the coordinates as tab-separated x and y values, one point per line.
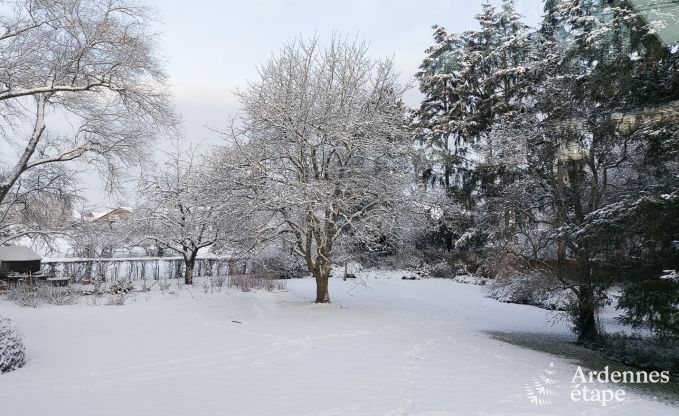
18	253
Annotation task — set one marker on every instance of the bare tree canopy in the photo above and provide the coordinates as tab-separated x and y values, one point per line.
324	143
176	214
93	64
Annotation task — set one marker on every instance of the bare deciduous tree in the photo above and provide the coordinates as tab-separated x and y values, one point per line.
39	205
323	143
176	214
79	79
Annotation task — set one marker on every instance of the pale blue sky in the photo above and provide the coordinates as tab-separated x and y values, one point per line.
214	46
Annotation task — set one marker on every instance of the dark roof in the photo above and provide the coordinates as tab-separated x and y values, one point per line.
18	253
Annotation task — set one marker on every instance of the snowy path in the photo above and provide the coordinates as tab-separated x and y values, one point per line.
395	348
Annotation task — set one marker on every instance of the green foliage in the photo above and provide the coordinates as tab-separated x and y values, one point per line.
12	351
652	304
573	128
650	354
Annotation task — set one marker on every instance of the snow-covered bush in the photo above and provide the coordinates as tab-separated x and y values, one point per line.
164	285
58	295
652	354
652	304
443	269
12	351
145	286
119	292
118	299
247	283
403	259
121	287
23	295
470	279
211	284
535	289
273	260
470	239
218	281
36	295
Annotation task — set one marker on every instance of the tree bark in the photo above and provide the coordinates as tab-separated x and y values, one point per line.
586	318
189	263
322	294
23	164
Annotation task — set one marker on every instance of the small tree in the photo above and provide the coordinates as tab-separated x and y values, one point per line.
322	146
12	351
176	213
97	239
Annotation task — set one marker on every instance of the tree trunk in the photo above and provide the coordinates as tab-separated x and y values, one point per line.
322	295
23	164
585	315
188	269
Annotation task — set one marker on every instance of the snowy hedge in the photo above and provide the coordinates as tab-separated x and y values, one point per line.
12	351
531	289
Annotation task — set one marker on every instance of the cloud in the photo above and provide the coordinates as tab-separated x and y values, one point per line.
203	92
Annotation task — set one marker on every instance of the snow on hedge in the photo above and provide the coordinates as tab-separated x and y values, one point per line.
12	351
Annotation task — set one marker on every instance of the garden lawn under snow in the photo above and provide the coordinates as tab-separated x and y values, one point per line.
391	347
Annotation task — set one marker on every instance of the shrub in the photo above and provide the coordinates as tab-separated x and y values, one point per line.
402	260
121	287
277	263
212	284
470	279
531	289
633	350
218	281
206	285
12	351
35	295
118	299
58	295
443	269
251	282
652	304
145	286
24	295
164	285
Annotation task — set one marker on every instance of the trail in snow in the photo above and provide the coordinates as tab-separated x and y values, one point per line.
391	347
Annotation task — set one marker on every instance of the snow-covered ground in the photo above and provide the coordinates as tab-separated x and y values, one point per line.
389	347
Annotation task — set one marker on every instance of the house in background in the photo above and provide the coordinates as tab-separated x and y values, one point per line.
108	216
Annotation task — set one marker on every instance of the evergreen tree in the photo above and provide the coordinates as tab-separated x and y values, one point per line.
440	124
468	82
593	101
571	136
439	121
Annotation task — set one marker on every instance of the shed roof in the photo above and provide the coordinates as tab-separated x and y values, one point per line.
18	253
